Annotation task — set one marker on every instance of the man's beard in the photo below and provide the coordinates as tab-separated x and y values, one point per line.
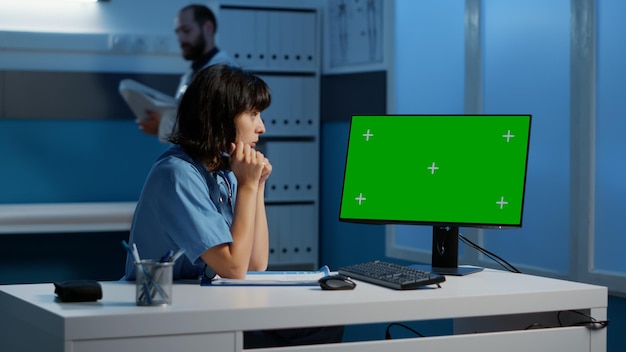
195	50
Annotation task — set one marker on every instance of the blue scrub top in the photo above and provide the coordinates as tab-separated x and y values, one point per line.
182	205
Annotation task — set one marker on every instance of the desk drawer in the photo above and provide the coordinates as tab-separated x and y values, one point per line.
166	343
575	339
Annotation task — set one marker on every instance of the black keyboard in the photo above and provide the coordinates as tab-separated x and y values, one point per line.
397	277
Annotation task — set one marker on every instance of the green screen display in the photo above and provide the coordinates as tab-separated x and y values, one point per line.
459	170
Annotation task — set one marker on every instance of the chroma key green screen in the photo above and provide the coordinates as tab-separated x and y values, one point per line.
460	170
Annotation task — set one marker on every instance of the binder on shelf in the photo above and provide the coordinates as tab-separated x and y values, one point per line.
140	98
272	278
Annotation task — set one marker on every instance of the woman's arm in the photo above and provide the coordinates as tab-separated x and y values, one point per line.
260	247
233	260
260	250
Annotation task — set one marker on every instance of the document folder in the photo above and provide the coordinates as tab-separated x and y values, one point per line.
272	278
140	98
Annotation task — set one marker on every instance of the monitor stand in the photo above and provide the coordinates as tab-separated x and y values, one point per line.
445	252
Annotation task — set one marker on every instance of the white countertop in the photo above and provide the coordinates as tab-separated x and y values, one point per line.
65	217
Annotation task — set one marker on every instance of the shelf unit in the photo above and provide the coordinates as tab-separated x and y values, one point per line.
281	42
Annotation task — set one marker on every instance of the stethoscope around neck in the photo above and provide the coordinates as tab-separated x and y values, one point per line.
215	189
229	187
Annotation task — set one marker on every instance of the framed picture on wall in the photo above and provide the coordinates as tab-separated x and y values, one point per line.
356	35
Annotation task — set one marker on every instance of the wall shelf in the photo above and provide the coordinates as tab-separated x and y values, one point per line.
65	217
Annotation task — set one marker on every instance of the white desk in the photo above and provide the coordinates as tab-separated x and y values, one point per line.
213	318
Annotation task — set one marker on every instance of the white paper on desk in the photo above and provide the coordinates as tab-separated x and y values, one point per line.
274	278
140	98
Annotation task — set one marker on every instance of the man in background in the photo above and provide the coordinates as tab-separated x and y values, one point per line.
195	27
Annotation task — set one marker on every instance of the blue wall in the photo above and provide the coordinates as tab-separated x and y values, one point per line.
47	161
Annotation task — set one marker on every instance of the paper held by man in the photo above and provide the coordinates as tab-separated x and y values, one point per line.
141	98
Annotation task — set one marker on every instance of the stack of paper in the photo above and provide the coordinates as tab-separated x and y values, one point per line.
141	98
273	278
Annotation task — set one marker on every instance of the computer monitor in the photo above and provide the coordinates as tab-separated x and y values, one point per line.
445	171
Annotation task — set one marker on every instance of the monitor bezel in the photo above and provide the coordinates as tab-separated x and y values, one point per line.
438	223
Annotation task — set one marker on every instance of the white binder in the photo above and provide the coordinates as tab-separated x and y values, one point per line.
140	98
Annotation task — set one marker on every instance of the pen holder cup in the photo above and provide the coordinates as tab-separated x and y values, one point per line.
153	283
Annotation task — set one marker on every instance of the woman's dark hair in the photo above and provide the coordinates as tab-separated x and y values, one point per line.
205	123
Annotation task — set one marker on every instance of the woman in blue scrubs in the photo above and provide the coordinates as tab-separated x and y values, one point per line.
205	194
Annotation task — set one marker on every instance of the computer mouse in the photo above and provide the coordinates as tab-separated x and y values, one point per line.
336	282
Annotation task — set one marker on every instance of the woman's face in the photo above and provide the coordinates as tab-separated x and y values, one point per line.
249	126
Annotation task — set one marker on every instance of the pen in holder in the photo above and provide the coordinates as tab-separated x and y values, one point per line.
153	282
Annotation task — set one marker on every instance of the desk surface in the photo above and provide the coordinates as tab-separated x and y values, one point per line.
489	292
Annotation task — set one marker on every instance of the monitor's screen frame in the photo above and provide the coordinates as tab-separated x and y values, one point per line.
427	222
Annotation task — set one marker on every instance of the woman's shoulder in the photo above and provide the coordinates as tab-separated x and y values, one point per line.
175	161
175	151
